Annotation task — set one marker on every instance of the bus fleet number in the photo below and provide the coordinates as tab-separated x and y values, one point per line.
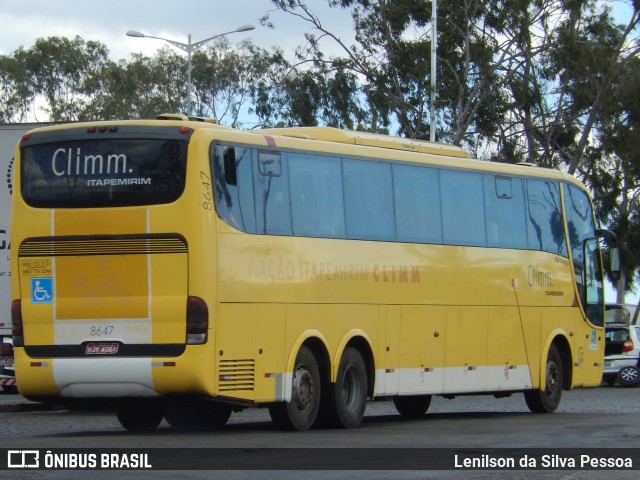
101	331
207	200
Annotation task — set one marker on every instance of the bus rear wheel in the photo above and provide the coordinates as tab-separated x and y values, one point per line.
301	412
413	406
548	400
346	400
198	417
140	417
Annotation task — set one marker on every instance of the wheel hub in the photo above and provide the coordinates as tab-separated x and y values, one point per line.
303	389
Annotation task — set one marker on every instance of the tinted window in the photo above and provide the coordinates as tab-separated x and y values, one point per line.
580	223
317	206
417	204
368	200
271	190
103	173
462	208
234	187
505	212
545	227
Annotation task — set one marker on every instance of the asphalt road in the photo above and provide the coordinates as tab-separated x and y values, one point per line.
587	419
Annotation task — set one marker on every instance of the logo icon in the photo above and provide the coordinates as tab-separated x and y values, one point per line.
23	459
42	290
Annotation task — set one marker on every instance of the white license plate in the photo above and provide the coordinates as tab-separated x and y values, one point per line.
102	348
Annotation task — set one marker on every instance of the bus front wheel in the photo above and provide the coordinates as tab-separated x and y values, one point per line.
301	412
548	400
413	406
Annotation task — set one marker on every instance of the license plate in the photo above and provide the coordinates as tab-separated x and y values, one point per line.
6	360
102	348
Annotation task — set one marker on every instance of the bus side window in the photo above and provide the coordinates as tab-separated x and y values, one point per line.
504	212
545	224
233	186
271	192
463	215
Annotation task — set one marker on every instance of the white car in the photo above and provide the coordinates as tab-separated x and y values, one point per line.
622	348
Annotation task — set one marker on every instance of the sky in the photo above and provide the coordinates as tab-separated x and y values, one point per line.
23	21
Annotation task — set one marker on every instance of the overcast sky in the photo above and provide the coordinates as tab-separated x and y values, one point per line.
23	21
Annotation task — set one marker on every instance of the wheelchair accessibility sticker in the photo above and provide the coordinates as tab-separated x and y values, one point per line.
42	290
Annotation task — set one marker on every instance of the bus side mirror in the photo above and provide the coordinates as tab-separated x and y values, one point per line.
614	252
614	262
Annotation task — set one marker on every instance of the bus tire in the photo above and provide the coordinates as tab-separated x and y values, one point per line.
347	398
547	401
205	417
140	417
412	406
301	412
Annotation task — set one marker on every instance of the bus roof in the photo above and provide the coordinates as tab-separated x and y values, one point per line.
329	134
328	140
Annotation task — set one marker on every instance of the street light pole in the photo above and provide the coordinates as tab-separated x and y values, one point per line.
434	53
189	48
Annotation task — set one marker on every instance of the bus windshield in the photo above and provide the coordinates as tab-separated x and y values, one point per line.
103	173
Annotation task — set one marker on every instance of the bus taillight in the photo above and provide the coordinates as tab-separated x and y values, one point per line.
197	321
16	322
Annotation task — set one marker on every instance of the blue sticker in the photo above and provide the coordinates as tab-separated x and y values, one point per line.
42	290
593	336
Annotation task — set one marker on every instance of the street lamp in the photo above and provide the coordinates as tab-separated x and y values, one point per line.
189	48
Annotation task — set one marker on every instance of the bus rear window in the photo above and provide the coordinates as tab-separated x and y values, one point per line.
103	173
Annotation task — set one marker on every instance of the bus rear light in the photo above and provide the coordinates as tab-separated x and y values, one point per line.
16	322
627	346
197	321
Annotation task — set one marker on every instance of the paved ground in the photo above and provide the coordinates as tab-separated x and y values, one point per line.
602	400
587	418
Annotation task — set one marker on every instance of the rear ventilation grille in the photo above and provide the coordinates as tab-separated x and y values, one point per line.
236	375
102	245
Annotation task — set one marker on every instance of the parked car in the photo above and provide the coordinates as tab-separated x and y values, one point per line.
622	348
7	369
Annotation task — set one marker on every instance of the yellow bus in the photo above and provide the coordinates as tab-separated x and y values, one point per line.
177	269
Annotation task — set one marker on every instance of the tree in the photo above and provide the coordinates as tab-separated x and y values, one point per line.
479	54
615	177
227	80
60	75
145	86
591	54
16	92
